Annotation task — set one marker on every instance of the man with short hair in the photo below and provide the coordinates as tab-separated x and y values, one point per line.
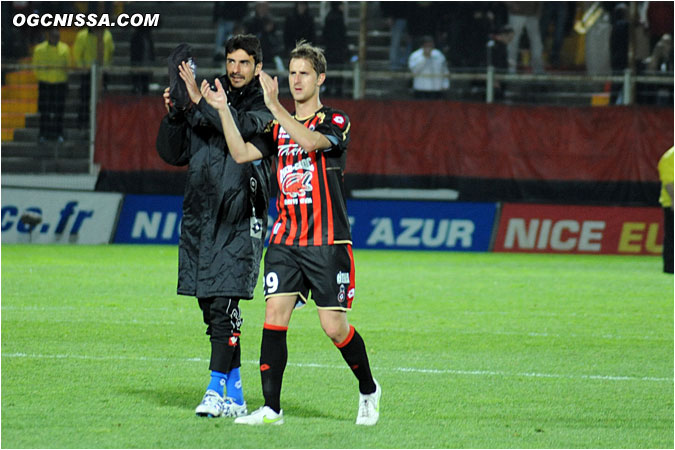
224	212
310	246
430	71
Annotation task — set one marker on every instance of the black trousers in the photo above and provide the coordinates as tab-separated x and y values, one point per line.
667	240
85	95
223	320
51	105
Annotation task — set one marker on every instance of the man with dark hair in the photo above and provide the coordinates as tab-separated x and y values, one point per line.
310	246
224	212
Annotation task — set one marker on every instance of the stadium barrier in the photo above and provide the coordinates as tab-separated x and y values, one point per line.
52	216
488	153
579	229
80	217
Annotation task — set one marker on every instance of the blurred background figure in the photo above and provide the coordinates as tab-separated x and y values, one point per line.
141	53
666	199
336	47
85	53
261	24
430	71
52	78
525	15
299	25
554	15
596	25
397	18
227	16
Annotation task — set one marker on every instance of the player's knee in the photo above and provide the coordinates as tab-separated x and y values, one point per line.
337	332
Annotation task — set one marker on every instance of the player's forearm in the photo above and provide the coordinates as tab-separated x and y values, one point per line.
309	140
235	143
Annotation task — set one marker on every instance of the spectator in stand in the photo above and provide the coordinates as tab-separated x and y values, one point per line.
481	20
227	16
334	37
659	20
85	53
141	53
54	57
525	15
299	26
665	168
661	60
261	24
554	13
397	17
598	36
430	71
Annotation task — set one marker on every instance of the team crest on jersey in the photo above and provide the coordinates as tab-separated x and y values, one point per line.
342	294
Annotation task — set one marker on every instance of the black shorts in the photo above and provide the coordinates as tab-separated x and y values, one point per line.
327	271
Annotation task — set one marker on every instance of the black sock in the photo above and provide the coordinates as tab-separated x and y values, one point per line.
353	350
273	357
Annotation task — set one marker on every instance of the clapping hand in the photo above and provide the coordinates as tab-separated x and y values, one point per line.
217	98
188	76
270	89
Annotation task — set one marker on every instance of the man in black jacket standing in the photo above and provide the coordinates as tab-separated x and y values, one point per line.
224	213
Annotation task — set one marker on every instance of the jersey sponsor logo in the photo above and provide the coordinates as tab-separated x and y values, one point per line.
290	149
343	278
296	184
338	120
350	294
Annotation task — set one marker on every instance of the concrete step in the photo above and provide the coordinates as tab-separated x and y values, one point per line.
47	150
31	134
28	165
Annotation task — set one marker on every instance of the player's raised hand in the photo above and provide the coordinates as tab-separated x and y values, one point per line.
217	98
270	89
186	74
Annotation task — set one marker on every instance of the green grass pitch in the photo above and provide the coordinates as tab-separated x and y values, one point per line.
472	351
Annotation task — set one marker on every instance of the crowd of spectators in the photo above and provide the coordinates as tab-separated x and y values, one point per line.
532	33
513	37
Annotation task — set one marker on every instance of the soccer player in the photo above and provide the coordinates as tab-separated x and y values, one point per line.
310	246
224	213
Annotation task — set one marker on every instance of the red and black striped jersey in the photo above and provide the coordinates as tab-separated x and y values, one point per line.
311	200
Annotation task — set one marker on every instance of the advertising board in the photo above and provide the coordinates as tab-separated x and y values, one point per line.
580	229
53	216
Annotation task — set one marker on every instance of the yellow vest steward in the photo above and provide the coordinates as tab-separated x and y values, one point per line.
85	48
56	56
666	176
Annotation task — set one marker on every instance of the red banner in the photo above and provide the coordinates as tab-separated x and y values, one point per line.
580	229
127	128
442	138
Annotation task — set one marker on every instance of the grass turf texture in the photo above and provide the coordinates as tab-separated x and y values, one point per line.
472	350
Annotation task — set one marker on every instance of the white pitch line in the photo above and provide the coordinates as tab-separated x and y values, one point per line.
491	373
